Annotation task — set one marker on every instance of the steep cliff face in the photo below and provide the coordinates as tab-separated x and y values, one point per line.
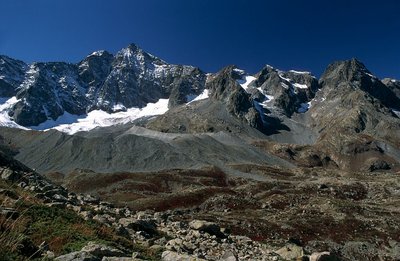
224	87
288	92
11	75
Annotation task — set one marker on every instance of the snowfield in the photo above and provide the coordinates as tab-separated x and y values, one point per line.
246	81
192	98
71	124
5	120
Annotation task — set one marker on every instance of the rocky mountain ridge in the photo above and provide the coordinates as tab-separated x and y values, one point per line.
135	78
131	78
348	119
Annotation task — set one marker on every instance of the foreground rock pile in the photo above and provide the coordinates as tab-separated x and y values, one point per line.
165	232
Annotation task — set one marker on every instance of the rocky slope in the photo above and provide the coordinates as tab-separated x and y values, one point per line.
310	214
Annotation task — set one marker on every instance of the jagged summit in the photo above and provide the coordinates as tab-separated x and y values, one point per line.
131	78
345	76
345	71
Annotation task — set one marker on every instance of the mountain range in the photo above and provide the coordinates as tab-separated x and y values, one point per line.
279	156
347	119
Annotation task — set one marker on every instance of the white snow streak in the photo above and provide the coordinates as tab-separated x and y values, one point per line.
204	95
71	124
396	112
304	107
5	106
300	86
299	72
246	81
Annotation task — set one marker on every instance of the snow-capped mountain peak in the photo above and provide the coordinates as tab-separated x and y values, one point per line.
130	79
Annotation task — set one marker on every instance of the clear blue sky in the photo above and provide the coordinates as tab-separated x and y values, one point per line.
303	35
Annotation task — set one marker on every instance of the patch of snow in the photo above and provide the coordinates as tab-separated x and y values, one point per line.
284	85
5	106
160	70
300	86
204	95
244	82
396	112
299	72
119	107
46	111
393	80
84	65
2	77
372	76
259	107
31	76
97	53
62	121
127	53
269	97
7	103
239	71
304	107
191	97
67	82
71	124
267	103
283	78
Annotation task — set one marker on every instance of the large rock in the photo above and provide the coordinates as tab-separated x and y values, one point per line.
114	258
100	250
173	256
77	256
229	256
291	252
323	256
148	226
10	175
208	227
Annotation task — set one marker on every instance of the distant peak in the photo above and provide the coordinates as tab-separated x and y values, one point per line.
133	47
357	63
352	64
6	59
347	70
98	53
390	81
